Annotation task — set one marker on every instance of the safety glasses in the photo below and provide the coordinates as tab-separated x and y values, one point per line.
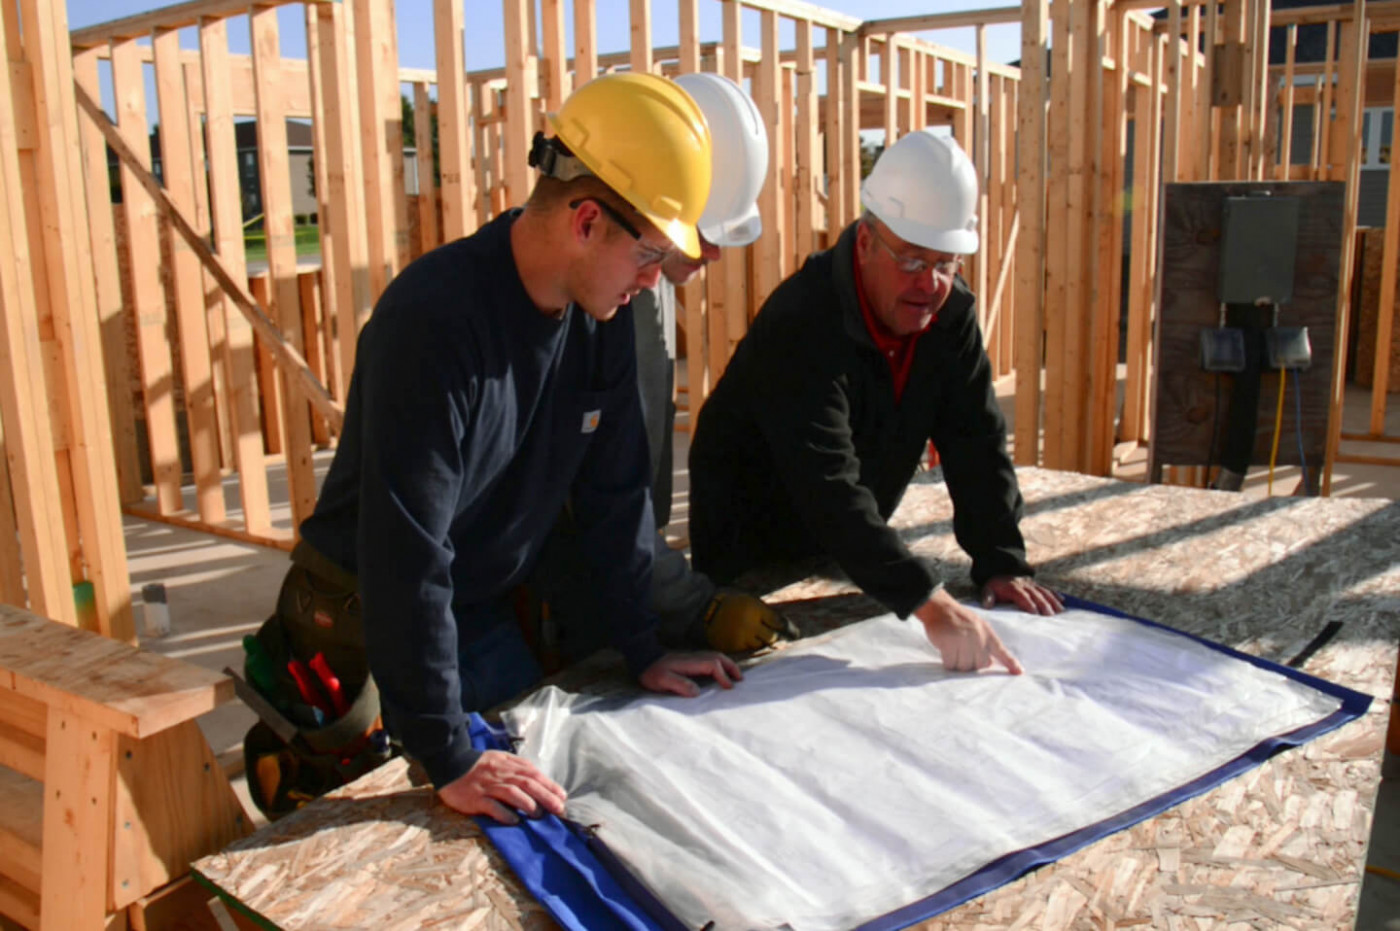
944	268
646	255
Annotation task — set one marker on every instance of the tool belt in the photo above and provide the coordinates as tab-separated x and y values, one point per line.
306	675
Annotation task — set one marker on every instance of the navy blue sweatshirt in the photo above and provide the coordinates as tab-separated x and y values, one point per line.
471	418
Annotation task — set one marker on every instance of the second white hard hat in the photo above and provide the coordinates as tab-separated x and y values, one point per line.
924	189
740	146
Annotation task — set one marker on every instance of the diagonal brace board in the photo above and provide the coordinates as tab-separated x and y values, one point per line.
282	351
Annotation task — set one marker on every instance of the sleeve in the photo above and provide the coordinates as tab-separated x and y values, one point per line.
970	435
807	426
611	496
414	416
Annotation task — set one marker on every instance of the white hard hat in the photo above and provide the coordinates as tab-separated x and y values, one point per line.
924	189
740	146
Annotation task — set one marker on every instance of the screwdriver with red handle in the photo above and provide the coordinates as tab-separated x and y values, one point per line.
331	682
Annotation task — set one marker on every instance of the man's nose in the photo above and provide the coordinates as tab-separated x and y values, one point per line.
709	252
650	276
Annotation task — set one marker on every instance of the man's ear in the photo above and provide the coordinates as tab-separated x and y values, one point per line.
863	234
586	221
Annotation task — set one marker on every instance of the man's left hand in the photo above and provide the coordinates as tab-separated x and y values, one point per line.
673	672
1023	592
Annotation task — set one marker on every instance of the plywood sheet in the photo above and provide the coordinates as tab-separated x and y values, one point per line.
110	683
379	853
1282	845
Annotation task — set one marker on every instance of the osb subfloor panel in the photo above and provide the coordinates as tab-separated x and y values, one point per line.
1281	846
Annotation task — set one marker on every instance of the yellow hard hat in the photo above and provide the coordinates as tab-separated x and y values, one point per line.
644	137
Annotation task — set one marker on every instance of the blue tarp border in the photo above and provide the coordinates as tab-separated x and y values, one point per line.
585	888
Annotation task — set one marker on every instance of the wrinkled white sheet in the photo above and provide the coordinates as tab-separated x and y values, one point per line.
852	775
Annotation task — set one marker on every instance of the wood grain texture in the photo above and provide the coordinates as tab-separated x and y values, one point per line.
1280	846
172	803
119	686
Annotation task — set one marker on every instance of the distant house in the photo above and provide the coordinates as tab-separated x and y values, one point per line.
300	147
1378	121
300	150
300	142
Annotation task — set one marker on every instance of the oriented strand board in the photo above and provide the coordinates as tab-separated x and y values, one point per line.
381	853
1282	845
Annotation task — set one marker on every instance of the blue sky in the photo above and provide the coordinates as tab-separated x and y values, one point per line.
484	46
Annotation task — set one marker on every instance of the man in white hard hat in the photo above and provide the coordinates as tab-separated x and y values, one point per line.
693	611
851	367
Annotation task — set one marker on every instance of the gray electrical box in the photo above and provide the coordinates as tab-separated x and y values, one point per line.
1258	246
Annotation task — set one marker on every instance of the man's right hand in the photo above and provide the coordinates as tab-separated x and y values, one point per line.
963	637
499	785
673	673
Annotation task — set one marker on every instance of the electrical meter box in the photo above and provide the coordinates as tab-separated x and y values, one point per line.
1258	246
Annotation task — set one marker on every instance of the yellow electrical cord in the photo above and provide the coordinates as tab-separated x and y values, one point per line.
1278	428
1382	871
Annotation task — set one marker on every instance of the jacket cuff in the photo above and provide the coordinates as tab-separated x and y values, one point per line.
451	763
1000	562
641	651
913	591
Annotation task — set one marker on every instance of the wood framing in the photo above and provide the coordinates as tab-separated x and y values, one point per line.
192	324
148	310
518	126
226	204
1194	85
107	279
454	151
344	237
1031	204
281	253
68	301
278	345
1347	138
28	433
381	133
770	260
427	188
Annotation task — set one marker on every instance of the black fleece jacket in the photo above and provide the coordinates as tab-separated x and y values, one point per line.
803	450
471	418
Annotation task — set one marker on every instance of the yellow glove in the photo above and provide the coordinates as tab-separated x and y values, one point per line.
737	623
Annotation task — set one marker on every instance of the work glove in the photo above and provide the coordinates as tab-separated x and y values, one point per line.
738	623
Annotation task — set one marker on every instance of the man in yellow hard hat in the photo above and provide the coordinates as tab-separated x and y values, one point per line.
496	380
850	368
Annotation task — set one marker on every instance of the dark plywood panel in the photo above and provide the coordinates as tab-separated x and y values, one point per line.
1185	401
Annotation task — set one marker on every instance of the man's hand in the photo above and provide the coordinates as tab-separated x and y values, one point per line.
501	783
1024	592
963	637
673	672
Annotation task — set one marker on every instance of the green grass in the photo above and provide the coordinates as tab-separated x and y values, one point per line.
255	243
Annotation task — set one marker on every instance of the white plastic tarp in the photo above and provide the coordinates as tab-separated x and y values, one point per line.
852	775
